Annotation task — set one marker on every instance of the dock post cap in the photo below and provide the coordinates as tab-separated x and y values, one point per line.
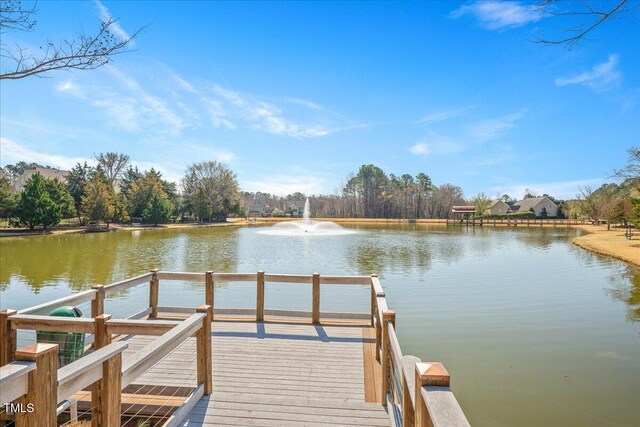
31	352
209	272
153	271
374	274
97	287
432	374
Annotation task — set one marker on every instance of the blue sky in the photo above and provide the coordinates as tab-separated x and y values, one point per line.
294	96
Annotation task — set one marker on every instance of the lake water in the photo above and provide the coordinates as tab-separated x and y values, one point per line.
533	330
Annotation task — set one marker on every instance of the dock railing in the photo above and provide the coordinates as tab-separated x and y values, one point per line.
415	393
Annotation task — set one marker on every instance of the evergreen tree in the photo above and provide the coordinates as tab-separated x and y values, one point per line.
7	199
158	210
61	197
97	203
76	182
35	207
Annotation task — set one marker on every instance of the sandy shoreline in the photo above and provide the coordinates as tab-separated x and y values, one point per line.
598	239
610	243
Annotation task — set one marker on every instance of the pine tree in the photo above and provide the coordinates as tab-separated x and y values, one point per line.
158	210
97	203
35	207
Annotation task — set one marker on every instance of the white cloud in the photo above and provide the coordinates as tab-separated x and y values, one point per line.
419	148
499	15
561	190
436	143
601	77
441	116
490	129
286	184
268	117
12	152
116	28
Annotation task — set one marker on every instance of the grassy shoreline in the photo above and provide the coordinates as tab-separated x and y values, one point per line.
597	238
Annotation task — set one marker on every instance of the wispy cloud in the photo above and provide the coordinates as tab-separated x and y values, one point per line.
490	129
13	152
602	76
562	189
128	104
286	184
443	115
117	29
268	117
499	15
436	143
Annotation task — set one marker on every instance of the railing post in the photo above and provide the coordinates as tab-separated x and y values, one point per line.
408	412
7	337
43	386
427	374
106	394
385	360
208	288
315	311
260	297
101	336
153	293
203	343
97	303
373	299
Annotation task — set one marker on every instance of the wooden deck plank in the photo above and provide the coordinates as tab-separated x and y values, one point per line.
270	373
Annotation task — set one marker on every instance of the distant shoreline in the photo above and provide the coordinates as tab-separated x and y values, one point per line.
597	239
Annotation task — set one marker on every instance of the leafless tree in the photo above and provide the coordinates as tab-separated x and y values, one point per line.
82	51
632	170
587	17
113	165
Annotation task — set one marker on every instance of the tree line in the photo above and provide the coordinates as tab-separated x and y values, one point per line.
114	191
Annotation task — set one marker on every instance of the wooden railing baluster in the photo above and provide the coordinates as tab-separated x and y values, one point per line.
260	297
153	293
315	310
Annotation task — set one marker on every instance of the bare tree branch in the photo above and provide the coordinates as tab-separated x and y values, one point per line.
551	7
81	52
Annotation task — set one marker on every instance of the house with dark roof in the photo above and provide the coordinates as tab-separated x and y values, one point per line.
541	206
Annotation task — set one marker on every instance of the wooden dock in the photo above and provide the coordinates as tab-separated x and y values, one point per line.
207	366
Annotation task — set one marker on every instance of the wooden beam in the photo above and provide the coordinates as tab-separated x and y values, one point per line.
101	336
209	288
140	327
153	293
315	311
97	303
43	385
106	394
126	284
51	323
260	297
7	337
203	348
385	358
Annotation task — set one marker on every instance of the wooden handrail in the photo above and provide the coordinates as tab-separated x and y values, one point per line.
442	408
86	370
14	380
139	327
126	283
159	348
51	323
74	299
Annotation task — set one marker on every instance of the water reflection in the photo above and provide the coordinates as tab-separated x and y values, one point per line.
80	261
